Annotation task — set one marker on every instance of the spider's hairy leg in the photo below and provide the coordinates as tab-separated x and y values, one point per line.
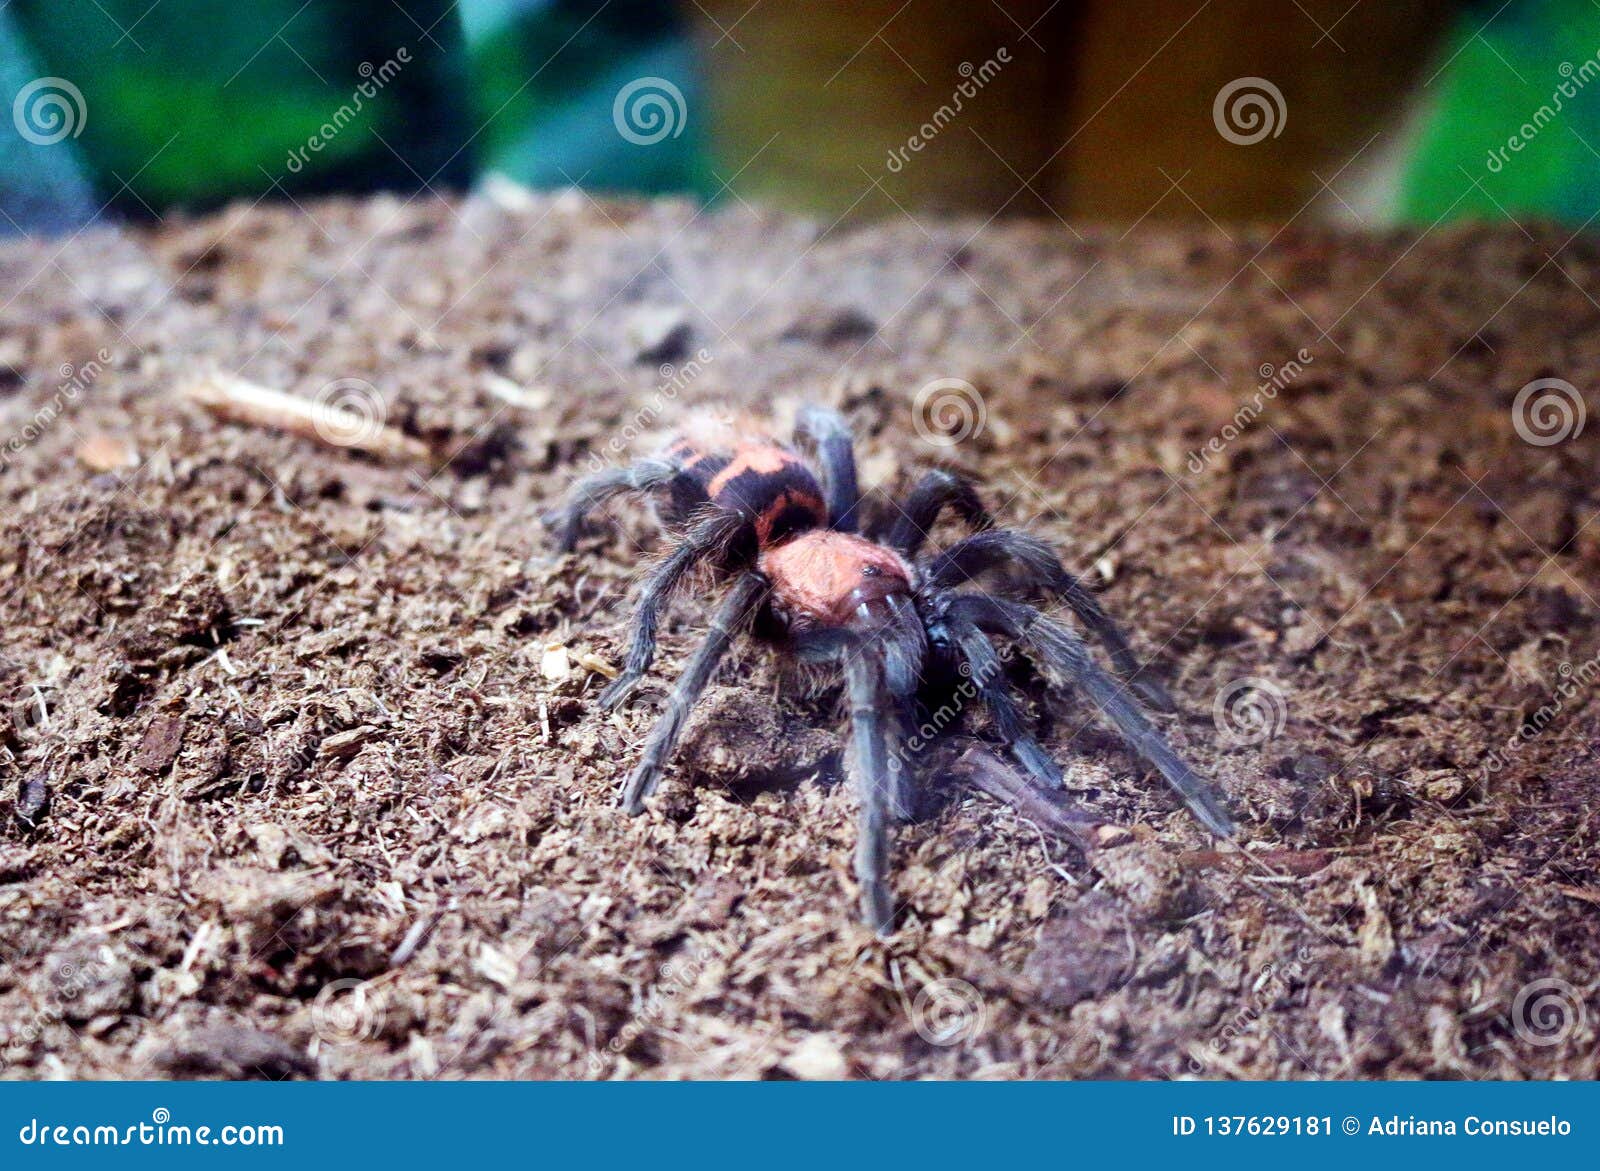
931	495
1064	655
902	795
565	522
1038	561
732	617
902	645
989	679
827	434
706	537
870	702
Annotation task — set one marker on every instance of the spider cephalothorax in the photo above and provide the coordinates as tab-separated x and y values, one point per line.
803	580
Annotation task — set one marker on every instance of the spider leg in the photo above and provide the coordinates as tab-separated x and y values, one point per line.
733	616
1063	653
869	699
826	433
902	800
970	557
566	521
931	495
703	539
903	642
900	649
989	680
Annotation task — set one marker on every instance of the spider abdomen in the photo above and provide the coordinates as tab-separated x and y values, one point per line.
758	479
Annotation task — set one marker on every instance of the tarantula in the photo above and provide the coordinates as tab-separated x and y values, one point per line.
886	613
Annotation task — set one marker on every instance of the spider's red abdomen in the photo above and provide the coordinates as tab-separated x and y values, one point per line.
758	478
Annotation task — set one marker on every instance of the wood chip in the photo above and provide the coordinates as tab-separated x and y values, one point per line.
239	401
344	745
1052	813
528	398
160	745
554	665
1586	894
495	966
593	662
816	1059
33	798
106	453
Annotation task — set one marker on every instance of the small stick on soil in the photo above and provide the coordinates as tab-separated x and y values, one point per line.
414	939
240	401
982	769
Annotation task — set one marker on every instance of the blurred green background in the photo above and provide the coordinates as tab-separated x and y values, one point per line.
1421	110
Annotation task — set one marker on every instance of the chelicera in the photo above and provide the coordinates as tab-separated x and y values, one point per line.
877	608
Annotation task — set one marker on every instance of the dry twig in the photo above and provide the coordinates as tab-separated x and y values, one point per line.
240	401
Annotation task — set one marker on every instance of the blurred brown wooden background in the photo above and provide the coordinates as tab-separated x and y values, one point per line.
1108	103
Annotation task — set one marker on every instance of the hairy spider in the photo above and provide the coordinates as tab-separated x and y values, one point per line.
880	609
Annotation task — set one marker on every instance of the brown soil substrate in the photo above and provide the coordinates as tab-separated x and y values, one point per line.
309	780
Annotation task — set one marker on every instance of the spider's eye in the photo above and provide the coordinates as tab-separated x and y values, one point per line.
871	571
